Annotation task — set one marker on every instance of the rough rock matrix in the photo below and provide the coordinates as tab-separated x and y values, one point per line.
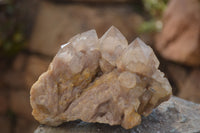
174	116
100	80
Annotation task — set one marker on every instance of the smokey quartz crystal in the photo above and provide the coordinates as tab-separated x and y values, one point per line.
100	80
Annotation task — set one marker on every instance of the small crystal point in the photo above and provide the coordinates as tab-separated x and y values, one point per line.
148	52
112	44
138	58
84	41
114	32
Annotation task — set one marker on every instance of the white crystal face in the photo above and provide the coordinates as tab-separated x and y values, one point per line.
62	46
112	44
84	41
138	58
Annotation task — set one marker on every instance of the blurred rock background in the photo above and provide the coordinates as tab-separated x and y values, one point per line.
31	32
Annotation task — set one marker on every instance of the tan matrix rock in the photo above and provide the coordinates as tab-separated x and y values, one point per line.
100	80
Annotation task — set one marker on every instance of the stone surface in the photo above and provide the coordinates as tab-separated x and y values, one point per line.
75	87
191	87
19	103
34	68
20	62
24	126
186	81
5	124
178	74
3	100
53	30
11	76
179	39
173	116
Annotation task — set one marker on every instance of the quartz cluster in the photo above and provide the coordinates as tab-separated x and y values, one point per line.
100	80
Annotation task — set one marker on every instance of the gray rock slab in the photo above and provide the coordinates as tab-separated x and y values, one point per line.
174	116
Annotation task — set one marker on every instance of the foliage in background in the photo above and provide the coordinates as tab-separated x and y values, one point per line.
155	8
12	38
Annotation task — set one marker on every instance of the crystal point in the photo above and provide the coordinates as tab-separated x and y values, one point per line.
84	41
112	44
138	58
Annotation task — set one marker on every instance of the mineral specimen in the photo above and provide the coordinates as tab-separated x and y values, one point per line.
100	80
